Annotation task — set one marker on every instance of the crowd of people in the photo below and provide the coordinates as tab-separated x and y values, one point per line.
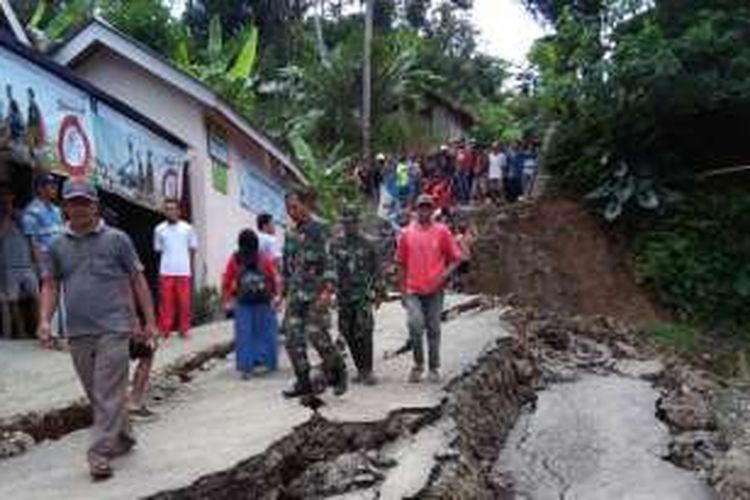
459	174
79	267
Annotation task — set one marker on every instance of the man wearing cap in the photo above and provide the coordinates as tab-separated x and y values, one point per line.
42	219
427	254
358	287
42	222
102	275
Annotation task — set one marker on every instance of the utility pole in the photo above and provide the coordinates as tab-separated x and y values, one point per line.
367	85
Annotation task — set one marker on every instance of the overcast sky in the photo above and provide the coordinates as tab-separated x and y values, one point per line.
506	29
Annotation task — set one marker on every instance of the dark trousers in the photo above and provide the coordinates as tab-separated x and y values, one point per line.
356	324
423	312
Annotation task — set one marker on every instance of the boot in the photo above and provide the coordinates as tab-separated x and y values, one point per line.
301	387
339	381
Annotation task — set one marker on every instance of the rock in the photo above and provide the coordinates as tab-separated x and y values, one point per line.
347	472
686	412
731	475
14	443
647	370
623	350
695	450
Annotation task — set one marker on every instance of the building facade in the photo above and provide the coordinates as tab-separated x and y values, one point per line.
232	172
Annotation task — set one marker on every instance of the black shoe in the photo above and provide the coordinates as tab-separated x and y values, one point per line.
340	382
299	389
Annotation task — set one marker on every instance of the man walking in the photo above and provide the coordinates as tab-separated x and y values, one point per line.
308	286
427	255
358	286
101	273
175	241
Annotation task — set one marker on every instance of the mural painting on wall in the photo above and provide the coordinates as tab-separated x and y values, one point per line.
259	194
43	120
134	163
218	150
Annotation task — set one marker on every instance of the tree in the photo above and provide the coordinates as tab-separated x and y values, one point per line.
367	82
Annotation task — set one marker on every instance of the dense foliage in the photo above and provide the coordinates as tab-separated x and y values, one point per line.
654	95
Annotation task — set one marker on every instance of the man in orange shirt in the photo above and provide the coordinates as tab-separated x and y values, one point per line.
427	254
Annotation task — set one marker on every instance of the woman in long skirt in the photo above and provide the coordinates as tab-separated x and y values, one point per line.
250	287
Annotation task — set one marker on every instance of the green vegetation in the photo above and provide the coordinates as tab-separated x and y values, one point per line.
682	337
295	68
640	100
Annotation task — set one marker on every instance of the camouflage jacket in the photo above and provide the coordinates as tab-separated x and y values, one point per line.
358	276
306	265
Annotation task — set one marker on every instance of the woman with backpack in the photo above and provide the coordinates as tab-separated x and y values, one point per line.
250	288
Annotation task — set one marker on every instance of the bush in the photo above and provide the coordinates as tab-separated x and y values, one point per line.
697	260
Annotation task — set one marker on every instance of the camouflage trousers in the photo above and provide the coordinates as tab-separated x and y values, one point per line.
356	324
307	322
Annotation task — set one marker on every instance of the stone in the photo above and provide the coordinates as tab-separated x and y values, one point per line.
624	350
648	370
731	475
686	412
695	450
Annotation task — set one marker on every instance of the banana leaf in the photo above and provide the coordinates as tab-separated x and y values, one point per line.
243	65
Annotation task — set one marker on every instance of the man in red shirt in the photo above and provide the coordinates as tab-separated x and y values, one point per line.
427	254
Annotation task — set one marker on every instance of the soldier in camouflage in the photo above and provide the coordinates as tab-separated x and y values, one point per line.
308	284
358	287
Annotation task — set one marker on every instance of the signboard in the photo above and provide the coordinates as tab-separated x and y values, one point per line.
135	163
43	119
258	194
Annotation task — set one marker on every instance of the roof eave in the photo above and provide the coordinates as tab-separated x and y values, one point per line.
93	36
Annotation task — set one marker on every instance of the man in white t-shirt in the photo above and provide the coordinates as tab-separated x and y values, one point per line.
497	163
268	243
175	241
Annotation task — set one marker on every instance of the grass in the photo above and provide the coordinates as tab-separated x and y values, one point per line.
685	338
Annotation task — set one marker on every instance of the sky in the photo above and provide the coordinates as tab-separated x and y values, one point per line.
506	29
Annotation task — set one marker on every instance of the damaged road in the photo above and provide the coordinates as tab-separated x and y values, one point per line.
218	420
565	408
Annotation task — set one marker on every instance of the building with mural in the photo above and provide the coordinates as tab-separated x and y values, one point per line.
232	170
166	135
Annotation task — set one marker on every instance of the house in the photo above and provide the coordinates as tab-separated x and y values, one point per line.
233	171
52	121
448	121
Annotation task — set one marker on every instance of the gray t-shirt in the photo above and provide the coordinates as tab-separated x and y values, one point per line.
95	271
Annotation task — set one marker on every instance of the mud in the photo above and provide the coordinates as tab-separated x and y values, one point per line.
555	256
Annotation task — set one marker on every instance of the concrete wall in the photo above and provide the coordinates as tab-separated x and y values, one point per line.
217	217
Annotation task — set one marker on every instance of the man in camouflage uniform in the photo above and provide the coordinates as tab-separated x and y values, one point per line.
308	283
358	286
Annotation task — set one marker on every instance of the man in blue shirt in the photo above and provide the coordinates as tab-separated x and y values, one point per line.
42	222
42	219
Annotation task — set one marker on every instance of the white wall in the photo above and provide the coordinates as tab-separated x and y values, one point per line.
218	218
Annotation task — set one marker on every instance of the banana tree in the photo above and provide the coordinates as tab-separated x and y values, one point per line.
226	67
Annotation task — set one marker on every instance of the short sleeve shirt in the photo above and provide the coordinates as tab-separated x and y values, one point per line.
269	245
497	165
95	271
425	253
42	222
174	242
